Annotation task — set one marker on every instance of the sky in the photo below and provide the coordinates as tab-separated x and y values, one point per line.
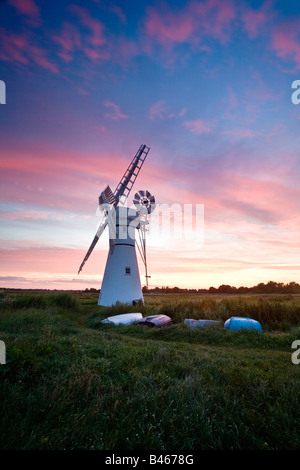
206	84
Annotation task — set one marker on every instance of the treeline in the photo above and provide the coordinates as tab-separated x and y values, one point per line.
270	288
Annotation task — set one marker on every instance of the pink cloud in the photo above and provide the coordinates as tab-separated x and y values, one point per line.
97	37
50	181
182	112
123	50
69	40
29	9
158	110
168	28
233	186
120	14
255	20
29	215
95	45
72	40
13	47
96	54
198	126
38	55
43	261
232	96
194	22
264	200
260	92
19	48
115	114
216	18
286	41
199	21
243	133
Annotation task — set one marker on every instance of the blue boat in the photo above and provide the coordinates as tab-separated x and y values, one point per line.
242	323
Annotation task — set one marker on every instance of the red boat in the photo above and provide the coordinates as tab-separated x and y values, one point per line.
156	320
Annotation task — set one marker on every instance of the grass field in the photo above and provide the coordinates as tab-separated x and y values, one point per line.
71	382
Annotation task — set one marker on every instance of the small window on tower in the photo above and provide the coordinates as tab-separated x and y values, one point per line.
127	270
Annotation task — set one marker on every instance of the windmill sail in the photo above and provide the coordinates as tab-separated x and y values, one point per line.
99	232
107	197
124	187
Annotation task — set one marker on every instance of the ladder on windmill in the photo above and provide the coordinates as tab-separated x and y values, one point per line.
130	175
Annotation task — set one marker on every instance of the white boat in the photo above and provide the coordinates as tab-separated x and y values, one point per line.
124	319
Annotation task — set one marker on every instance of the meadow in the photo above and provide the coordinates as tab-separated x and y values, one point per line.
71	382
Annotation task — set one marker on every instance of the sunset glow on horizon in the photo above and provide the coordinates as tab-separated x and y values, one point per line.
206	84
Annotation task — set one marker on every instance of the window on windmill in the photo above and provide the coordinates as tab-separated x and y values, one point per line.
127	270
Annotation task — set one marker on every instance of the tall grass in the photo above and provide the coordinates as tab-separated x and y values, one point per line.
40	301
281	313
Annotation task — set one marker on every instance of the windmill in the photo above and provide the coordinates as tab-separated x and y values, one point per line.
121	279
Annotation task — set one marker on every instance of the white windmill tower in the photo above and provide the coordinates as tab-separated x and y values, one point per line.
121	280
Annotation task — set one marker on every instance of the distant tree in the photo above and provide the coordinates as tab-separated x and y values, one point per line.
259	288
226	289
212	290
243	290
292	288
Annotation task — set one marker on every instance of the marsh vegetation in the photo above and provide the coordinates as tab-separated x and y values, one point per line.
72	382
